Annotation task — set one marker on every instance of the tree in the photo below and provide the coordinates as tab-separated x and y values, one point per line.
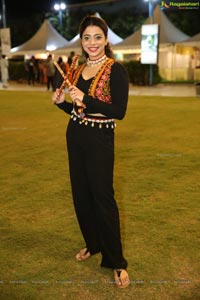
186	20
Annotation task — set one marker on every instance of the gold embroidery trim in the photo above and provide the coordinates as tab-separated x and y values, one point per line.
95	81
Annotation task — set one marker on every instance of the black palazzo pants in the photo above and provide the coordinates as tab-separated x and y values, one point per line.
91	162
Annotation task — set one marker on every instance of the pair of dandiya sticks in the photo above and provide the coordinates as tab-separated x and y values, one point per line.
66	82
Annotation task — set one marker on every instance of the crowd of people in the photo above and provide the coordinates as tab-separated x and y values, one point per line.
42	71
45	72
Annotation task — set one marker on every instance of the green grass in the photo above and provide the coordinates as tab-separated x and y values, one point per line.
157	187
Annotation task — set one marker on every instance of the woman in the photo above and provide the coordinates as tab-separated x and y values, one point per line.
99	94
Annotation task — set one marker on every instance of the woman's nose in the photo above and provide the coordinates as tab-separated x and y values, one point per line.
92	40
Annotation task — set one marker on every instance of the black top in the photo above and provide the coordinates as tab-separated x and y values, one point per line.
119	86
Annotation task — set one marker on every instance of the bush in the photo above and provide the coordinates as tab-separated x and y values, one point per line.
139	73
17	71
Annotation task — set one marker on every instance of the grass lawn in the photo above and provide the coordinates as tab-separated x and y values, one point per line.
157	186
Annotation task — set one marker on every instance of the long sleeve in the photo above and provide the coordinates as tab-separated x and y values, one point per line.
119	86
65	106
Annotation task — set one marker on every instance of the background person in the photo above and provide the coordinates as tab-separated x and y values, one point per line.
50	72
4	71
58	79
30	66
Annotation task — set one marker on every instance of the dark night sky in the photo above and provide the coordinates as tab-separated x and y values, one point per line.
19	8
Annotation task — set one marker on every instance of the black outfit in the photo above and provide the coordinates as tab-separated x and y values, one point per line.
50	72
91	162
31	72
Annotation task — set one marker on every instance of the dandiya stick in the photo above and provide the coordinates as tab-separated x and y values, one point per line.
66	81
72	66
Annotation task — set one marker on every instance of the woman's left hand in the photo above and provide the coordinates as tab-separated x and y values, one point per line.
76	95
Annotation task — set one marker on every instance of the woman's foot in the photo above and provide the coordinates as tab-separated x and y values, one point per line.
121	278
83	254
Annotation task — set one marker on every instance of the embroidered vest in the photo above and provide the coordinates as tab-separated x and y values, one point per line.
100	85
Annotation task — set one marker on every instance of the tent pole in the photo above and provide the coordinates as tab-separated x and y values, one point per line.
151	21
4	13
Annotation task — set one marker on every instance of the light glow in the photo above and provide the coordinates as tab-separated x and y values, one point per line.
56	6
61	6
51	47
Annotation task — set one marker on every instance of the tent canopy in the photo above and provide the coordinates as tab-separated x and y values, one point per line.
168	33
45	39
193	41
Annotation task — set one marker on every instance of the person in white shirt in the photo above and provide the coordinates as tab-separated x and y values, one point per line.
4	71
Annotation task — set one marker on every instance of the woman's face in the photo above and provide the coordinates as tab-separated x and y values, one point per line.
94	42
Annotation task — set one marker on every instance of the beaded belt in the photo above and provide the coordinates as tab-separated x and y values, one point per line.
90	120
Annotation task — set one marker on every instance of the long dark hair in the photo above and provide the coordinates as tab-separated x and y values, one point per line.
91	20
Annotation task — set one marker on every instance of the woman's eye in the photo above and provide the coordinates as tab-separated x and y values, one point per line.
98	37
86	38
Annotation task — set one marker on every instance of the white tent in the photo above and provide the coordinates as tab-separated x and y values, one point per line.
172	64
45	39
193	41
191	48
168	33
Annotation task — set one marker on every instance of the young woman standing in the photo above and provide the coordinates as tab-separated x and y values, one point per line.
99	94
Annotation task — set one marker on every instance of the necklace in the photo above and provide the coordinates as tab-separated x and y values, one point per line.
94	63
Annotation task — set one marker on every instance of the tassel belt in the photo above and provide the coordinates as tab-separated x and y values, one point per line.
93	121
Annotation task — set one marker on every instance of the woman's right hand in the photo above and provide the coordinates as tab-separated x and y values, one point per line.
58	96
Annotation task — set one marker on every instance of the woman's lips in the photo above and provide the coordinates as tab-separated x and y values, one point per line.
92	49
